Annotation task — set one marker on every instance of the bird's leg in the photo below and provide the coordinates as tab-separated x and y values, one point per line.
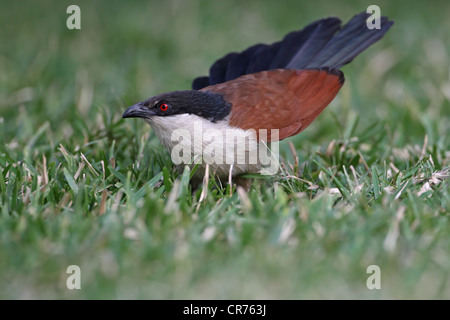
245	183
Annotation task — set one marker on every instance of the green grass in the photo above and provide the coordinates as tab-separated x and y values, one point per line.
367	183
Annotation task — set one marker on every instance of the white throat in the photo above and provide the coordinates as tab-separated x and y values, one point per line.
193	139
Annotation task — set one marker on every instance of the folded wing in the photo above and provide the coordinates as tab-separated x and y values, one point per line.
287	100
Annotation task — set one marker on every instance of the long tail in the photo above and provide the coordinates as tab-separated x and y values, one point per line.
354	38
321	44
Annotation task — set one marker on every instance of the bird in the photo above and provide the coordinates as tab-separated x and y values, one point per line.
256	98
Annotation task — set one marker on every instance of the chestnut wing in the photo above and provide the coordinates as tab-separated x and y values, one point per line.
287	100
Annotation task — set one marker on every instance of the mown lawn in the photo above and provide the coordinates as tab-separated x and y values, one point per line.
366	184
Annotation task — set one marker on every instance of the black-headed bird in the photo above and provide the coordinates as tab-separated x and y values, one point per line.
263	94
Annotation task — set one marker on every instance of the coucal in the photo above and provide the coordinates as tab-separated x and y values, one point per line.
265	93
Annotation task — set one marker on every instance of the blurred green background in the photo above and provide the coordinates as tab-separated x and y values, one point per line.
71	87
127	52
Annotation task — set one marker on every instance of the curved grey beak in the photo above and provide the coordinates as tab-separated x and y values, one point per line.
138	110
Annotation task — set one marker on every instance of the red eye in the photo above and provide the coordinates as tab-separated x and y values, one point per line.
163	107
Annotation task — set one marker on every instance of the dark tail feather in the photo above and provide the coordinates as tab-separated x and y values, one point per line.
354	38
298	47
318	45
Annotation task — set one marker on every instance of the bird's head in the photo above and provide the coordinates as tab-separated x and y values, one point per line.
207	105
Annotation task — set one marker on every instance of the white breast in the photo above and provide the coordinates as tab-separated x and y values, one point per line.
192	139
